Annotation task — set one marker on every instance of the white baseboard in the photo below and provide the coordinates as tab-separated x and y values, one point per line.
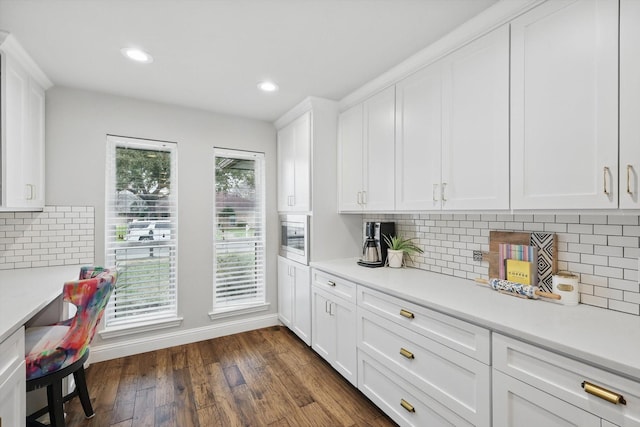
143	344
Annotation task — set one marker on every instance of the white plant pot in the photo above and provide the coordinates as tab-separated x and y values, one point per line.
394	258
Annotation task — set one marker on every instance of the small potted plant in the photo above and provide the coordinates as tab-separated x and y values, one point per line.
398	247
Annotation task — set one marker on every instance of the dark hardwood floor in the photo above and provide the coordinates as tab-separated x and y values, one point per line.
266	377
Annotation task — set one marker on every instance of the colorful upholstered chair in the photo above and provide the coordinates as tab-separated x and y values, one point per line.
59	350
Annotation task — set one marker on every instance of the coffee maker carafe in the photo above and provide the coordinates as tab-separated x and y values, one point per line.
374	247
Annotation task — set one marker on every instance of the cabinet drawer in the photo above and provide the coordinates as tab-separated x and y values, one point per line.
389	392
335	285
518	404
12	351
461	336
561	376
455	380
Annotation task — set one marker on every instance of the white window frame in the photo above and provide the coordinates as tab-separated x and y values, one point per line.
168	318
222	311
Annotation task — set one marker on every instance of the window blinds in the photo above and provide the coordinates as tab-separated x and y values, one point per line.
141	230
239	235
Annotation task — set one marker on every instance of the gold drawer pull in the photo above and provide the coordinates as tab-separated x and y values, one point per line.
406	405
407	314
406	353
603	393
330	283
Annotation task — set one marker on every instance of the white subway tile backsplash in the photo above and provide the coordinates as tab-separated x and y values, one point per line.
56	236
602	249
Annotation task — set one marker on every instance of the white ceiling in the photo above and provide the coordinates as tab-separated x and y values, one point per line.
210	54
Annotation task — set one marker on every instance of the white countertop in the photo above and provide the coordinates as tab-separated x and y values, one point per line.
605	338
26	291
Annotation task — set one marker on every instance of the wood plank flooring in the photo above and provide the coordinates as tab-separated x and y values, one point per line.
266	377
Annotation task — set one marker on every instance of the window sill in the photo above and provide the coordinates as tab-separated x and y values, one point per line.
238	311
136	328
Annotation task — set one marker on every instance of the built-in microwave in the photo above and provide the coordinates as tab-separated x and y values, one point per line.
294	238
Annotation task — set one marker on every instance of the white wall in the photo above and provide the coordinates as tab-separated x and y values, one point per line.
77	124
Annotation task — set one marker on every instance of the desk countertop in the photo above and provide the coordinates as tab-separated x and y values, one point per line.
604	338
24	292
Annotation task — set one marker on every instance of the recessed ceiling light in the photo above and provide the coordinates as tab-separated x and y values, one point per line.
268	86
137	55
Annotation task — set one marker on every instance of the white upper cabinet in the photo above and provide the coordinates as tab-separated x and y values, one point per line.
452	130
564	106
366	154
294	165
22	88
418	140
379	153
350	159
475	130
629	103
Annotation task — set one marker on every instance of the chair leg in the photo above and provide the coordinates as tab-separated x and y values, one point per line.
83	392
55	399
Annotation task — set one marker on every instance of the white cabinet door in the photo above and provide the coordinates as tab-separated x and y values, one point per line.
294	297
334	332
12	398
302	162
629	103
418	140
346	358
286	168
516	404
564	103
475	129
16	112
23	143
294	148
33	155
379	153
301	302
286	275
350	155
323	325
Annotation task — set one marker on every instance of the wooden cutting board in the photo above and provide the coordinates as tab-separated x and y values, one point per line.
497	237
547	245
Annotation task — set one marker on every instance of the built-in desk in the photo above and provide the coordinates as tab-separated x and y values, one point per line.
24	294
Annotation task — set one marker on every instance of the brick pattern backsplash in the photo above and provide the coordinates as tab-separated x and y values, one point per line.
602	249
59	235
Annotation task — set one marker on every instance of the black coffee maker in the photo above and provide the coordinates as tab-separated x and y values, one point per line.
374	247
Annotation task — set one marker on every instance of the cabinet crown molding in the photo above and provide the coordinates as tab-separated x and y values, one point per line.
10	45
499	14
308	104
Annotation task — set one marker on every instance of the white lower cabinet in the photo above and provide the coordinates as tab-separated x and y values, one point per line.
536	387
12	380
400	399
294	297
333	325
516	404
398	357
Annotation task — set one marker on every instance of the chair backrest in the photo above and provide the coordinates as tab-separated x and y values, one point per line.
66	342
90	294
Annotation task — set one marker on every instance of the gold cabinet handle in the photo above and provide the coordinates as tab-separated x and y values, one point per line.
629	169
406	405
406	353
331	283
605	174
407	314
603	393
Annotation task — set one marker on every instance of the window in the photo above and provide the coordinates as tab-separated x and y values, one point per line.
239	242
141	231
